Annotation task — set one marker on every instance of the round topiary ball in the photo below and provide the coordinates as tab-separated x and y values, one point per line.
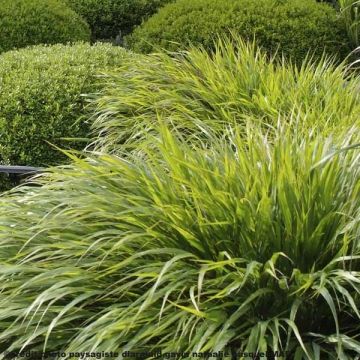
41	99
293	27
110	18
31	22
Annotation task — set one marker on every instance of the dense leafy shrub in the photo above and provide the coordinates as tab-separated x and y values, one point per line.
109	18
30	22
9	181
249	244
234	86
6	183
332	2
40	98
292	26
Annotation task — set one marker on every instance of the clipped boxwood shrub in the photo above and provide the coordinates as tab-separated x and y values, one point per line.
34	22
40	98
107	18
292	26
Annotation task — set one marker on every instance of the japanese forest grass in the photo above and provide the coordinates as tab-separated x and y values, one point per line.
234	85
243	242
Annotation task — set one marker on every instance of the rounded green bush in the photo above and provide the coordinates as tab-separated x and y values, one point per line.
109	18
41	98
291	26
32	22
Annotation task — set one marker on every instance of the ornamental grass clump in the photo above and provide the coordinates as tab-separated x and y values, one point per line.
249	242
235	84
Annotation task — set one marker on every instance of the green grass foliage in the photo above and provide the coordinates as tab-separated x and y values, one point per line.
235	85
41	98
31	22
293	27
246	243
350	10
107	18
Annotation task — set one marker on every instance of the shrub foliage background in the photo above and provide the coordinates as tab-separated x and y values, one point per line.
32	22
107	18
293	27
41	98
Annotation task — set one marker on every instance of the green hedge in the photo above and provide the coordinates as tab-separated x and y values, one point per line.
293	26
107	18
32	22
40	98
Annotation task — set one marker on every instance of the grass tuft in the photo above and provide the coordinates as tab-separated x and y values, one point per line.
245	242
235	85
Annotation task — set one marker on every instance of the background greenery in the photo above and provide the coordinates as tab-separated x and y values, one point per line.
350	11
6	182
109	18
293	27
41	99
31	22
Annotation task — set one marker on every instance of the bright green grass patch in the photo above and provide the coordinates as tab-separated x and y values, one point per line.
236	84
249	244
